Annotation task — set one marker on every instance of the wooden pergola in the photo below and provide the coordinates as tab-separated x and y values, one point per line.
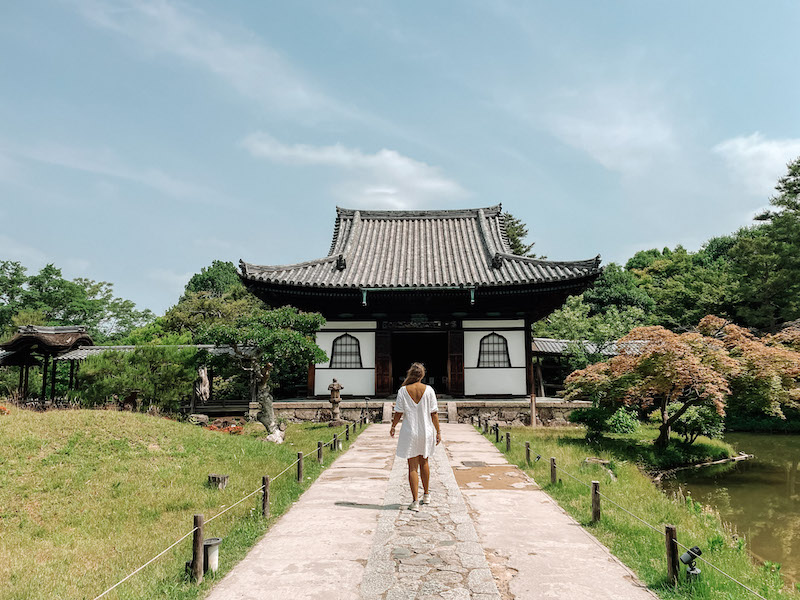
35	345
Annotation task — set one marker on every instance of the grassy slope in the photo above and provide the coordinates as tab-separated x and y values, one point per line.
636	545
87	496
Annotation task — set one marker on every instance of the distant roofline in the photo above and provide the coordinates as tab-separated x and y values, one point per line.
490	211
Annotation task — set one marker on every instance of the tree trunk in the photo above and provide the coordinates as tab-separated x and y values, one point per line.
662	441
266	416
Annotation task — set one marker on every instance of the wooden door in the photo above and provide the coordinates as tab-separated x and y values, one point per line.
455	363
383	363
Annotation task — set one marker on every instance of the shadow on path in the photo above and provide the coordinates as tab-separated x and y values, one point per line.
370	506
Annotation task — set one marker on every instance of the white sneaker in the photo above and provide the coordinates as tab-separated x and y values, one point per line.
426	499
414	506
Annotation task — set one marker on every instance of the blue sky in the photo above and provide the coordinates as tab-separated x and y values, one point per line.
139	141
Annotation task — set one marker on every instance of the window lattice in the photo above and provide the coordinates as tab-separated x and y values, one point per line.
346	353
494	351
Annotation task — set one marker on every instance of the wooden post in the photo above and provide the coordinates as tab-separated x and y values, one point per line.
72	374
508	441
265	496
553	474
25	385
347	432
299	466
595	501
53	380
533	410
528	452
197	550
44	378
21	378
319	452
673	561
496	432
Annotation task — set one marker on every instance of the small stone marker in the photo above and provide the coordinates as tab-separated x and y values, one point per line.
218	481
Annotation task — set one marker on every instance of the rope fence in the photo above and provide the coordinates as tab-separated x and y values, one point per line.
264	487
672	556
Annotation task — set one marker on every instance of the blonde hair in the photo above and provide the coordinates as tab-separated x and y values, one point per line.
415	373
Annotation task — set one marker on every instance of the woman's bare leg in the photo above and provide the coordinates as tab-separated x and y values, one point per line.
425	471
413	476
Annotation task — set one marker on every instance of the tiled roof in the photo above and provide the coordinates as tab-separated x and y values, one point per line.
436	248
85	351
556	347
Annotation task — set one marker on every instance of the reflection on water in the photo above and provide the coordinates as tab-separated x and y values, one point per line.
760	498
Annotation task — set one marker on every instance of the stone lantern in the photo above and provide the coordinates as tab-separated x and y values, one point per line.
336	417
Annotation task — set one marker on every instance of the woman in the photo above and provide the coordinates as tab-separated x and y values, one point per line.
416	403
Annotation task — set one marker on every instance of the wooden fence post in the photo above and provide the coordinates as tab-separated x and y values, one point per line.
334	444
553	474
508	441
319	452
347	432
265	496
595	501
673	564
528	452
197	550
496	432
299	466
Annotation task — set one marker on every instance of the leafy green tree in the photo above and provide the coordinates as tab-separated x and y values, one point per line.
155	375
517	233
574	321
697	421
617	287
271	345
218	279
12	278
197	310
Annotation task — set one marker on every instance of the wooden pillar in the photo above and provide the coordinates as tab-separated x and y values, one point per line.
540	378
553	473
43	396
265	496
53	380
529	386
533	410
21	379
72	374
25	384
455	362
383	363
312	372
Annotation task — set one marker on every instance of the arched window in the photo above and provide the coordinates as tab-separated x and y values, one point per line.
494	351
346	352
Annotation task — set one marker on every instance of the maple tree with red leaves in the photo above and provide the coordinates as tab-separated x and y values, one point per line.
658	368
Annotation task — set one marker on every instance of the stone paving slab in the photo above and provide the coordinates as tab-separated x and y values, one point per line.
318	549
536	550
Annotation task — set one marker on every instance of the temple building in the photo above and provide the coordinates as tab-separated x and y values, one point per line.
441	287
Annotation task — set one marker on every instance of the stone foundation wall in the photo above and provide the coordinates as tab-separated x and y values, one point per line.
505	412
516	413
320	411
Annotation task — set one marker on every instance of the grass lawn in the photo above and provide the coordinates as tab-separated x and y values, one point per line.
638	546
88	496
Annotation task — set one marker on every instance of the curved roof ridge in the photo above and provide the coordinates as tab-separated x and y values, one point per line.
595	262
243	266
344	213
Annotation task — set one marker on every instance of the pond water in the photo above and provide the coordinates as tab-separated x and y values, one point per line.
760	498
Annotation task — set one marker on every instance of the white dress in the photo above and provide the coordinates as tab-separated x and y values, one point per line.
418	435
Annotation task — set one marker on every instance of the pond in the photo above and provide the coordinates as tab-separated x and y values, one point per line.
760	498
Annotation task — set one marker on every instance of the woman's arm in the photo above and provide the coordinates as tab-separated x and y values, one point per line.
435	419
395	420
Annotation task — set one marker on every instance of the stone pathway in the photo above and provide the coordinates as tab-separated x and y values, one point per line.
432	554
490	534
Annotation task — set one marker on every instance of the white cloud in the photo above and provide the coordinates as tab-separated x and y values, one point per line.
106	163
624	128
758	162
383	179
236	57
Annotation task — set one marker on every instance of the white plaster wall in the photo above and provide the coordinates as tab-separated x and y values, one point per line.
494	381
366	340
516	346
358	382
350	325
489	324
